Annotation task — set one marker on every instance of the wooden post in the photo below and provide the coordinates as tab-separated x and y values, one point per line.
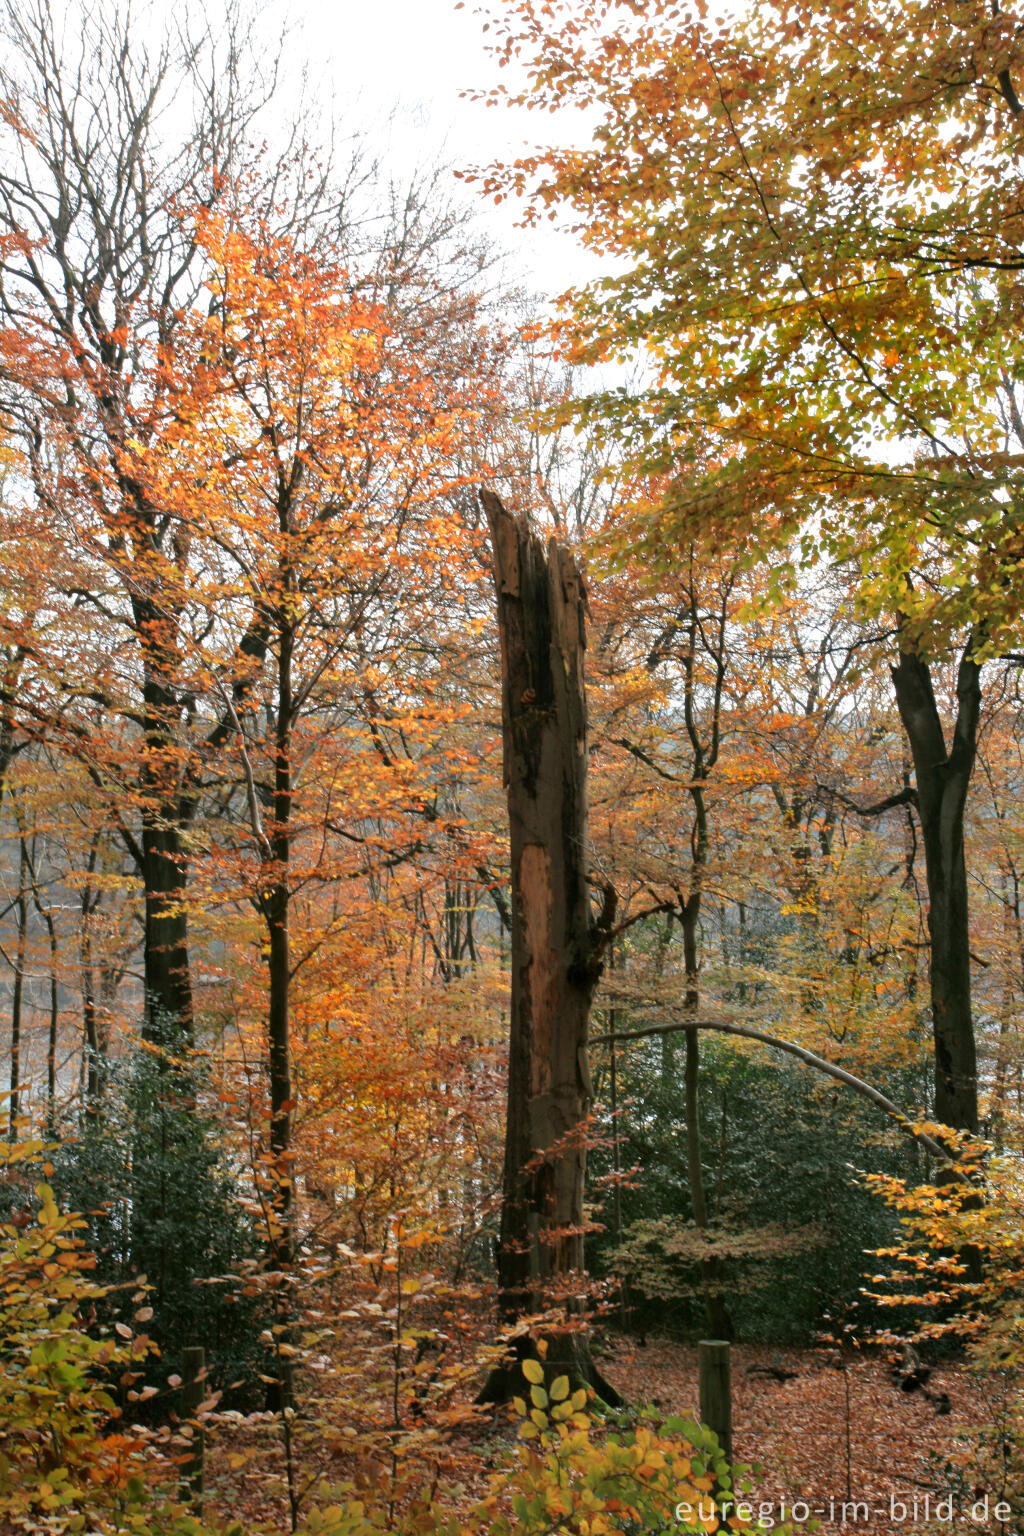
193	1390
716	1391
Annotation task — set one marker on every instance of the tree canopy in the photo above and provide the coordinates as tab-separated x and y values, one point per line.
502	865
812	219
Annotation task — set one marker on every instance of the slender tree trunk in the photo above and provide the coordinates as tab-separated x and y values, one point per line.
555	962
943	776
281	1246
89	1037
702	762
279	1053
92	1055
278	1020
54	1023
54	1020
1012	938
276	908
625	1301
719	1321
278	920
18	992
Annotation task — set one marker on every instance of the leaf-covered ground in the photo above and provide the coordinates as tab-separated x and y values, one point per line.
889	1449
824	1437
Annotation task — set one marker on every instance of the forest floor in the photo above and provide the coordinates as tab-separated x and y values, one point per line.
888	1449
825	1437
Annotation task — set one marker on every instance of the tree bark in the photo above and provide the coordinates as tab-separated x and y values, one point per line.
555	951
719	1320
167	980
704	758
943	776
164	871
277	905
17	996
46	914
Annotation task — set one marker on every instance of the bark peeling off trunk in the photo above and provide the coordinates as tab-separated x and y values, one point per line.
533	881
555	960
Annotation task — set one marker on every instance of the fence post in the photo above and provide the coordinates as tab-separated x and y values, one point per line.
193	1390
716	1390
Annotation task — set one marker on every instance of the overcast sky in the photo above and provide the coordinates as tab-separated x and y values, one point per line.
416	57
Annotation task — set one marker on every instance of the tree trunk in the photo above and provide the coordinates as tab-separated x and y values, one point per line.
91	1063
276	906
279	1054
165	953
555	958
164	868
54	1022
278	914
943	776
17	996
703	760
719	1320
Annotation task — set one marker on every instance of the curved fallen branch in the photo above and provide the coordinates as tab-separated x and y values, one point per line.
809	1058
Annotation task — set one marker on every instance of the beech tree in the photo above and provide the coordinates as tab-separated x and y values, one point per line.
814	217
312	459
103	277
97	269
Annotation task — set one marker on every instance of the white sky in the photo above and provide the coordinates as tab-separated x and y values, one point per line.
415	57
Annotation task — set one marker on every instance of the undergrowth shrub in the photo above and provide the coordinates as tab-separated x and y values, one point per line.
67	1462
150	1170
71	1463
570	1473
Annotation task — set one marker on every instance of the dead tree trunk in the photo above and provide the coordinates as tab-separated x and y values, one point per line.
555	946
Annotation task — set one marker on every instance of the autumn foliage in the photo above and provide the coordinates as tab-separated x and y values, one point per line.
378	686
